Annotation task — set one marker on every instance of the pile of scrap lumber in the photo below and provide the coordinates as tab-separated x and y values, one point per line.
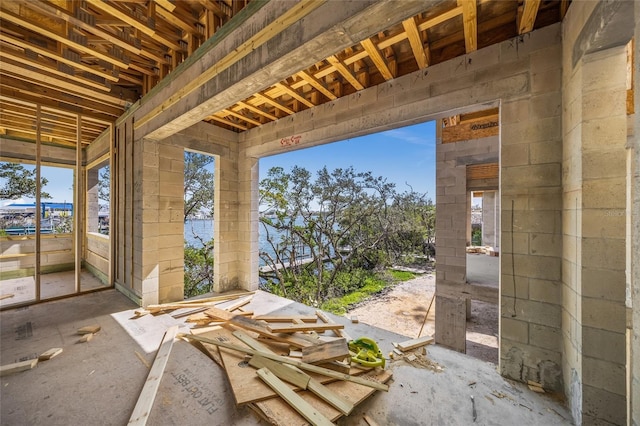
288	369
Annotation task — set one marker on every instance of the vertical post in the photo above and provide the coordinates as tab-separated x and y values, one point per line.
38	208
112	205
77	196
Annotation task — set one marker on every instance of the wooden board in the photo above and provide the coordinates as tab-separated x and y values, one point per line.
305	409
221	314
284	318
415	343
18	366
261	328
245	384
90	329
294	328
279	413
326	352
47	355
145	401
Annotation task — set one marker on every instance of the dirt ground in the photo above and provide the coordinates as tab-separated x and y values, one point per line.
402	310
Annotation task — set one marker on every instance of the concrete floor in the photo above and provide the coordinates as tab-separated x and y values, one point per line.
97	383
51	285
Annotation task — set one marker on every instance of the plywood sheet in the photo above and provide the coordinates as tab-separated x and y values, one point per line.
278	412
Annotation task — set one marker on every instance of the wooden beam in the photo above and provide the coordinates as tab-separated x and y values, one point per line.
377	59
20	57
257	110
271	101
227	122
293	328
11	93
18	366
143	407
470	22
122	16
316	84
293	399
415	40
58	12
345	72
240	116
291	92
299	364
166	4
64	39
436	20
564	5
44	78
528	18
293	15
54	55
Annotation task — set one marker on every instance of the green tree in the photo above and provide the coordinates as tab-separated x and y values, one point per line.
338	217
18	181
198	184
104	184
198	197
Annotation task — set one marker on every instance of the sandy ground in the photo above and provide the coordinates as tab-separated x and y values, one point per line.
402	310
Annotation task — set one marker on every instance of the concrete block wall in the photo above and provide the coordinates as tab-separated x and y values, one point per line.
525	76
452	236
594	227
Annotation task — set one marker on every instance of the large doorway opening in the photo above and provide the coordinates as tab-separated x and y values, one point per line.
363	220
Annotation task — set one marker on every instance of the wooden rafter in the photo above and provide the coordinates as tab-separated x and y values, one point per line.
316	84
377	58
289	91
61	38
528	17
228	112
268	99
227	122
243	105
470	22
344	71
415	40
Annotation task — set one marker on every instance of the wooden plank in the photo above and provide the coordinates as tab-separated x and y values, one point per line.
299	364
415	343
482	171
299	404
262	329
317	84
325	352
279	413
294	328
470	22
18	367
528	18
313	384
284	372
88	329
86	338
223	315
416	42
286	318
47	355
145	401
377	59
325	318
288	90
241	105
345	72
7	296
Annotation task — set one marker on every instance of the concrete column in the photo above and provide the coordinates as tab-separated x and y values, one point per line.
489	219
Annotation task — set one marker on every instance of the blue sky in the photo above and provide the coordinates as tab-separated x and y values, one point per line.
402	155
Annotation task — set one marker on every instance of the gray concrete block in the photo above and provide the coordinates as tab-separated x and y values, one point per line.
604	253
603	284
534	312
600	406
604	345
515	330
603	314
545	291
545	244
545	337
604	375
